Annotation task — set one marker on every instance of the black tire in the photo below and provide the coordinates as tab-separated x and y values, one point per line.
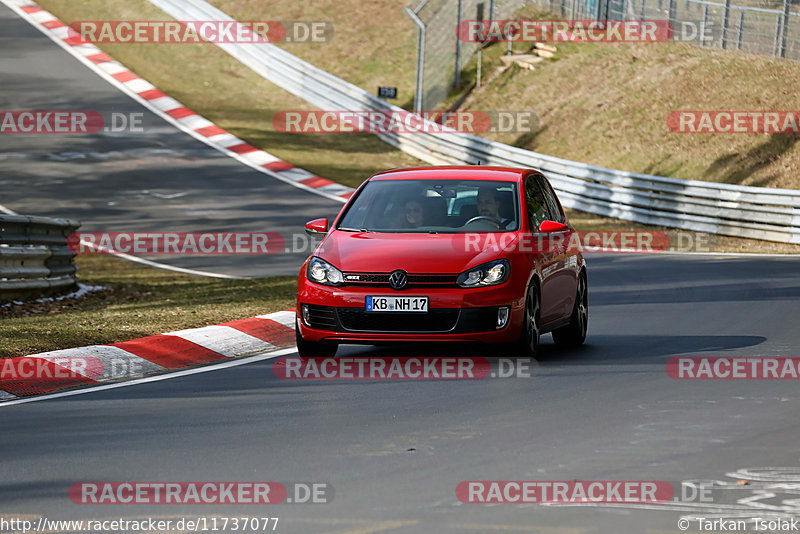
574	334
528	345
314	349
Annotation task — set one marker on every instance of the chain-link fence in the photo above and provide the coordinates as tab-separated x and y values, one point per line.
772	30
441	53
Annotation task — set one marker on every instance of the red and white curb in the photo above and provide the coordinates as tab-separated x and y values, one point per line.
52	371
170	109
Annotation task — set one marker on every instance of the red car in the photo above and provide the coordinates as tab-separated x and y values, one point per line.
474	253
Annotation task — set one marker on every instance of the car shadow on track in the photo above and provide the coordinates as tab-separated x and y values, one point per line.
599	349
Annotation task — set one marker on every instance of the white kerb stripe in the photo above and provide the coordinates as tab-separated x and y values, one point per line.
224	340
165	103
139	85
4	395
286	318
335	189
225	140
111	67
195	122
259	157
42	17
61	32
86	49
116	363
295	174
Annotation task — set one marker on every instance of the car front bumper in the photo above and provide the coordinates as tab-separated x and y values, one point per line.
454	314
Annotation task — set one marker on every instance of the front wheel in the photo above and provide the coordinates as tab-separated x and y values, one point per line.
574	334
314	349
529	338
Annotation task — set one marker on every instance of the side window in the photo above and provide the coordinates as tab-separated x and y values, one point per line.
535	203
556	214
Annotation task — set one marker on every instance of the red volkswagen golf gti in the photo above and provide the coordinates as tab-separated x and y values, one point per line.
463	254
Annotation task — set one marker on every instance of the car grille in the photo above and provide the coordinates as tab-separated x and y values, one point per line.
435	320
439	320
414	280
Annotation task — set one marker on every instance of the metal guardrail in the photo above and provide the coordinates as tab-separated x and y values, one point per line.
34	257
735	210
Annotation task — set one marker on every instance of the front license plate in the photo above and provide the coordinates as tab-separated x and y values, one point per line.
397	304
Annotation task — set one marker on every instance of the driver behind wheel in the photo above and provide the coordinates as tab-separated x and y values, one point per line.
489	206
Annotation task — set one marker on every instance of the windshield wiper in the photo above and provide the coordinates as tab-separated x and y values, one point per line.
353	229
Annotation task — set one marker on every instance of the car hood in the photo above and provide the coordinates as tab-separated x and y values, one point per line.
413	253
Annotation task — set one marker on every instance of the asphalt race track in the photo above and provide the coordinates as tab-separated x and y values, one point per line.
393	452
159	180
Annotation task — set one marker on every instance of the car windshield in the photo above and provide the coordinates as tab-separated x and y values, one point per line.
434	206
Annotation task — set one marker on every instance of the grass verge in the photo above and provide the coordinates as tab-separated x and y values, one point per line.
140	301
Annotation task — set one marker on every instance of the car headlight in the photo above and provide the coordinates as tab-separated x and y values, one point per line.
487	274
322	272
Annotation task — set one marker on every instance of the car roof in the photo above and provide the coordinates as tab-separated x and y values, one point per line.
455	172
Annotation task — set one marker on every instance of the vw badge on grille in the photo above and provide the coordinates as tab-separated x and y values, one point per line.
398	279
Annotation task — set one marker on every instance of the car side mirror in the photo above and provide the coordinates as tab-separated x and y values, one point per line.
552	226
317	226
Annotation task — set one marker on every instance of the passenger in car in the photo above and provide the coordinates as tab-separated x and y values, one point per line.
414	214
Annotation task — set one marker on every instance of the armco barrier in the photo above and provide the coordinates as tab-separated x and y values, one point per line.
34	258
752	212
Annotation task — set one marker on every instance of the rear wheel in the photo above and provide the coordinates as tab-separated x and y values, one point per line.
529	338
574	334
314	349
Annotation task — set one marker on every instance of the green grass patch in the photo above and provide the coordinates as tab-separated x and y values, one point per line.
140	301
